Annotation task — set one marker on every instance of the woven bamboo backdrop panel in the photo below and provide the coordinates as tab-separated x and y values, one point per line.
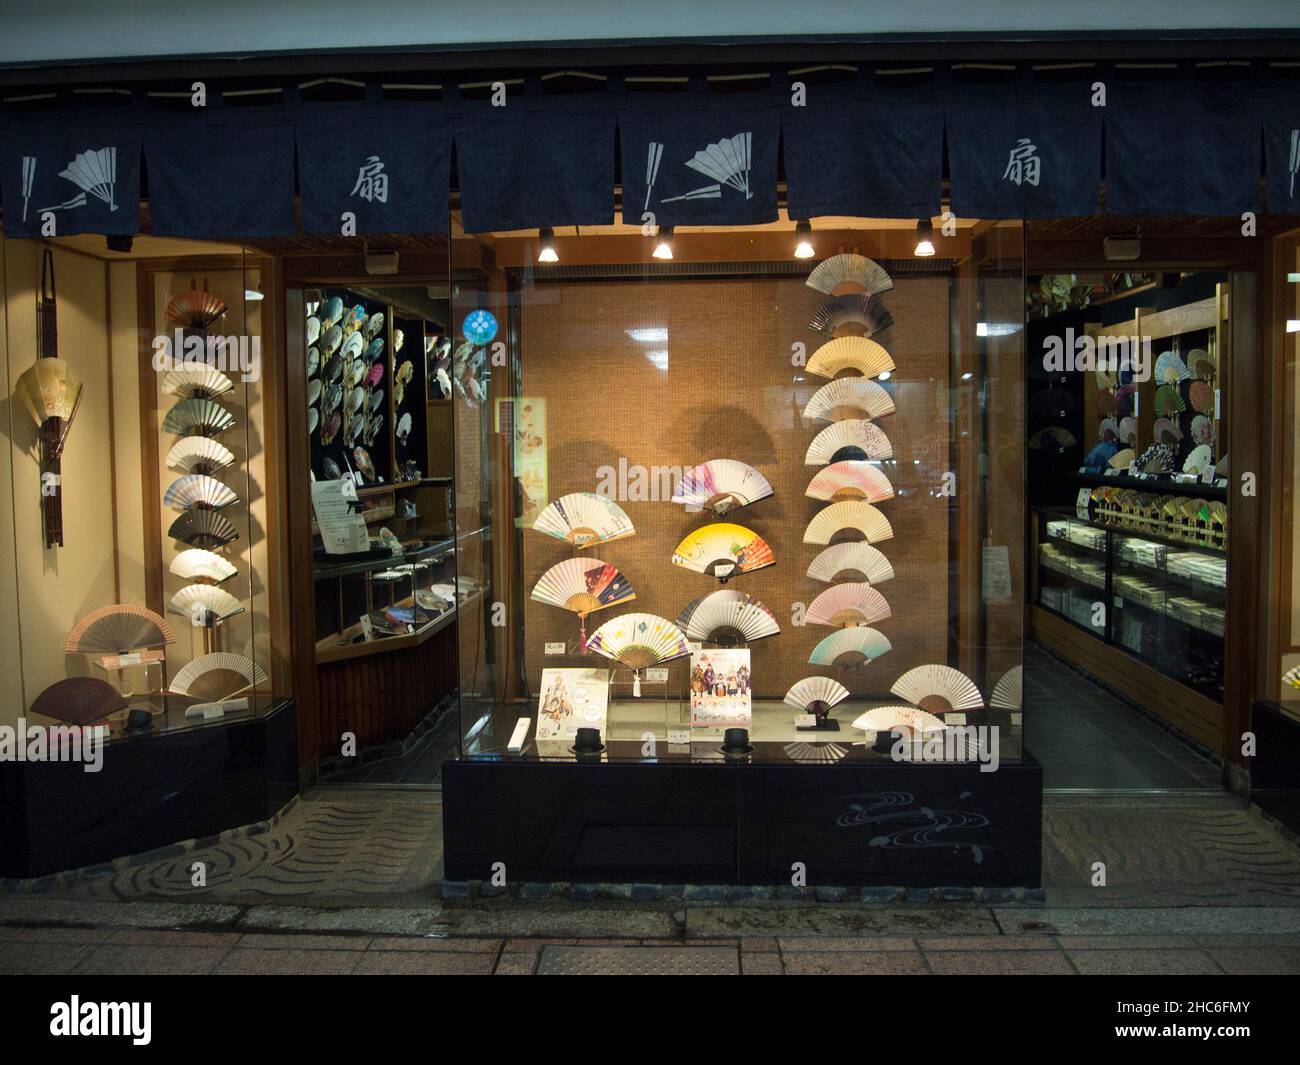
712	378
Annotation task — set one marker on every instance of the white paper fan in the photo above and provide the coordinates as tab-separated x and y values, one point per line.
856	560
849	397
1007	692
850	648
639	640
199	454
196	381
850	479
848	604
196	563
815	753
1199	459
897	718
938	689
584	519
853	439
203	677
727	618
200	417
721	485
198	490
850	353
864	517
816	695
204	604
841	274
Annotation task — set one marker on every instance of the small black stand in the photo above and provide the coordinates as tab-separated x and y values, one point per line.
826	724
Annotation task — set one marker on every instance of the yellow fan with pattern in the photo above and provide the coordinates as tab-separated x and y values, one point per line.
723	550
844	354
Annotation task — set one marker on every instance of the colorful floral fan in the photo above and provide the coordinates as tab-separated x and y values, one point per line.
198	417
855	560
118	629
855	314
197	381
639	640
1007	692
844	605
1157	458
727	618
938	689
846	273
198	490
217	676
816	695
1202	365
204	604
851	514
584	519
194	309
850	479
850	648
1170	369
721	485
723	550
856	439
203	528
900	719
849	397
78	700
583	585
850	353
1169	401
198	564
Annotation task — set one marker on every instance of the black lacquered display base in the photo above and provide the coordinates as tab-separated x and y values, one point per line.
152	790
850	823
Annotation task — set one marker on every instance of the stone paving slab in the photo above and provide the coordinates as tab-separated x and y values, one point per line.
1161	921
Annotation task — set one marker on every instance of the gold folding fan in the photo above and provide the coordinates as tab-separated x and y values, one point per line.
850	353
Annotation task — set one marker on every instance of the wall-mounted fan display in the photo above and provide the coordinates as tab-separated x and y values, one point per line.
721	485
584	519
857	354
844	605
583	586
850	479
853	314
857	439
848	517
849	273
852	561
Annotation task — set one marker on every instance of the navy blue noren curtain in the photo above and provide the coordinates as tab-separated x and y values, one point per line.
1282	147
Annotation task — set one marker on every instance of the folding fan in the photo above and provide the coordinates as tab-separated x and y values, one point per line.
844	605
1202	365
721	485
897	719
1007	692
727	162
851	514
723	550
203	528
815	753
856	560
78	700
938	689
1157	458
1106	380
195	563
849	398
1128	430
1053	438
846	273
1199	460
727	618
194	309
850	353
49	388
1122	460
855	314
850	648
583	585
584	519
854	439
850	479
197	381
118	629
198	490
1170	369
1201	396
1108	429
1169	401
1291	678
1203	430
205	602
639	640
217	676
1166	431
815	695
201	417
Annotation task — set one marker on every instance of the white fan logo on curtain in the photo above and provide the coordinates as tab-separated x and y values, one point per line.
1023	165
93	172
727	162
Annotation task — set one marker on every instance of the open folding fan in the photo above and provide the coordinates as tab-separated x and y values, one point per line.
217	676
197	381
1122	460
204	604
583	585
1202	365
727	618
727	162
194	309
1199	459
78	700
203	528
1169	401
1007	691
1166	431
721	485
51	392
723	550
848	604
846	273
1053	438
850	353
900	719
938	689
849	397
198	417
1128	430
855	439
816	695
854	314
122	628
1170	369
1108	429
851	514
850	648
639	641
854	560
198	491
1201	396
197	564
815	753
584	519
850	479
199	454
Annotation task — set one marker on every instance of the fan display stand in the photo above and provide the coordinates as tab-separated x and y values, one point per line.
826	724
621	687
124	687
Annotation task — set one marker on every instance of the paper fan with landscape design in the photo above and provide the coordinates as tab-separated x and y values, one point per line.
855	560
855	439
851	514
850	479
847	398
938	689
850	604
584	519
850	353
850	648
849	272
721	485
639	640
727	618
723	550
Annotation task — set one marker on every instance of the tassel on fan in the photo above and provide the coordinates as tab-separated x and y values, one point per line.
856	439
854	314
850	479
199	454
203	528
198	490
848	398
583	585
1007	693
721	485
723	550
197	564
118	629
193	309
850	648
855	560
862	517
847	273
844	605
204	604
197	381
198	417
727	618
938	689
216	676
639	641
816	695
850	353
584	519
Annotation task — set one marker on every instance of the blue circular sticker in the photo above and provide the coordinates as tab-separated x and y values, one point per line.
480	327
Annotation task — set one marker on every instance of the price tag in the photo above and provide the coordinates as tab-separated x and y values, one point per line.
367	627
679	736
805	721
656	676
212	712
1217	415
954	719
555	648
133	659
1081	502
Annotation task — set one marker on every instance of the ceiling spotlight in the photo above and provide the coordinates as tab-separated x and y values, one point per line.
803	246
924	238
664	243
546	252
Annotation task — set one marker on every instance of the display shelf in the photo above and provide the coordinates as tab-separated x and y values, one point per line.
327	571
1153	483
331	650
